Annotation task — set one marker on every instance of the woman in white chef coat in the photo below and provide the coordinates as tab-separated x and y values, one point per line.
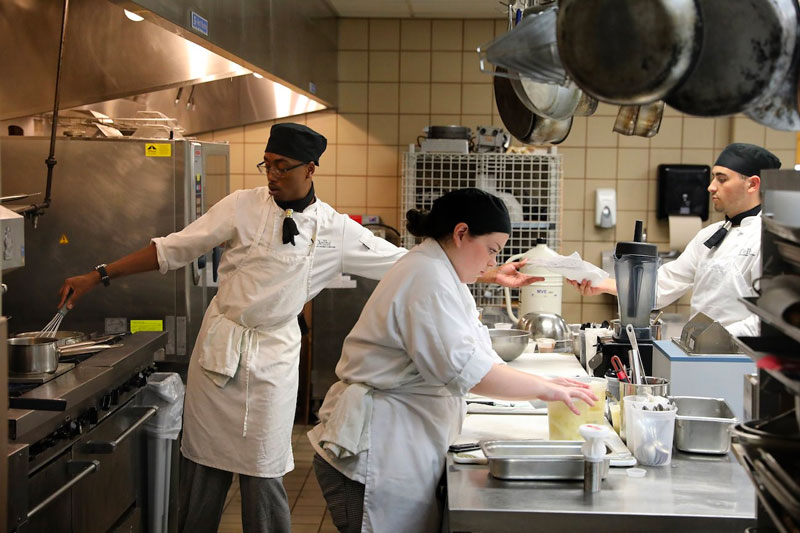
721	262
282	247
416	350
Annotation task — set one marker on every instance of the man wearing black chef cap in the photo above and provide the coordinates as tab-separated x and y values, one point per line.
722	261
282	247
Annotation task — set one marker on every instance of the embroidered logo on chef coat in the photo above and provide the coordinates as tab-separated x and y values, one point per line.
746	252
325	243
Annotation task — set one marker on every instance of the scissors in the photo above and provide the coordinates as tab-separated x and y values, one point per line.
619	369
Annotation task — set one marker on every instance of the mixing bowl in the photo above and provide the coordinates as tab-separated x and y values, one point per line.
549	325
509	343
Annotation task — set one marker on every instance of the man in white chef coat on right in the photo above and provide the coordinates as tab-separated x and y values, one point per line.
722	260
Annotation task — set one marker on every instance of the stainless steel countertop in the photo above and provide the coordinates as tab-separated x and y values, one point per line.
695	493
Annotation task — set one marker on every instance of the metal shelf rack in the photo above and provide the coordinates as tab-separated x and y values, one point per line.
529	184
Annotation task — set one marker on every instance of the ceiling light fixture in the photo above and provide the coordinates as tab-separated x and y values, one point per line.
133	16
258	76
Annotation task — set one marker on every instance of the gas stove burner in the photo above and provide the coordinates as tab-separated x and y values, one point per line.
38	379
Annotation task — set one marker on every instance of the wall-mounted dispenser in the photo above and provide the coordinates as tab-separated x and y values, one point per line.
605	208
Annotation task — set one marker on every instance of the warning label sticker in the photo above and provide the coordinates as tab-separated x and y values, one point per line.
158	150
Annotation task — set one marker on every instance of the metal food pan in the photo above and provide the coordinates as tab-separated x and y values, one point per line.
537	459
703	425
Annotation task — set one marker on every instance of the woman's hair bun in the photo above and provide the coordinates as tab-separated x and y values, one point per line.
416	222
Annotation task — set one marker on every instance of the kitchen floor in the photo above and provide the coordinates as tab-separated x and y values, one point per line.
309	514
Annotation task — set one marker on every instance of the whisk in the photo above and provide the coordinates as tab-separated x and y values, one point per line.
51	328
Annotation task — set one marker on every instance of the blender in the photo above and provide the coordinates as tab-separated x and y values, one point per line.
636	270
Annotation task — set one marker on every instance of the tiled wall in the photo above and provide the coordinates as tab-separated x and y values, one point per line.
398	76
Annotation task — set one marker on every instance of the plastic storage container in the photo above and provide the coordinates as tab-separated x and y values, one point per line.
650	433
564	424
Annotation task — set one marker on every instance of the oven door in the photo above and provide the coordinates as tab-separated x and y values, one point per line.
110	495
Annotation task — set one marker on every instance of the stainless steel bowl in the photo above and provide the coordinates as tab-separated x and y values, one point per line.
549	325
509	343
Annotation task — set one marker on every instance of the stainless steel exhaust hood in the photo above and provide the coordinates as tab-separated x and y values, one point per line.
108	57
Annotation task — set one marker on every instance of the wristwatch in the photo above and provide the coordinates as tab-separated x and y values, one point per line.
101	269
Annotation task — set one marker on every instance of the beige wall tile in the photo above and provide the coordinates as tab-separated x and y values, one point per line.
251	181
236	155
415	66
577	134
626	221
722	132
257	133
232	135
382	192
351	190
352	128
410	127
571	312
253	154
500	27
446	67
662	157
600	132
593	251
632	195
633	164
444	119
567	247
569	295
477	33
601	163
590	193
384	34
746	131
780	140
573	193
205	136
606	110
787	157
353	34
353	65
383	129
382	161
351	160
592	233
415	98
324	123
446	34
632	141
573	162
657	230
670	135
698	132
597	312
383	97
236	182
325	188
671	112
652	194
327	162
473	121
384	66
697	157
471	69
572	225
415	34
445	98
476	99
352	98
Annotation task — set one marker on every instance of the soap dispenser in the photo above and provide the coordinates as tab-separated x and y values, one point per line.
605	208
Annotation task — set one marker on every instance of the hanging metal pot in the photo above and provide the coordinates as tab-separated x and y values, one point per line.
746	53
627	51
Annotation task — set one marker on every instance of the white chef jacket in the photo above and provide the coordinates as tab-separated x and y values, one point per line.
718	276
416	350
242	421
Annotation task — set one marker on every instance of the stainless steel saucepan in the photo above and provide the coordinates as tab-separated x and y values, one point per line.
37	355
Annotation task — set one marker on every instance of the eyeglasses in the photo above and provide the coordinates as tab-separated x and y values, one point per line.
264	168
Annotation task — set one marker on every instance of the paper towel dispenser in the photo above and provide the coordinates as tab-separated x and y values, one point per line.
683	190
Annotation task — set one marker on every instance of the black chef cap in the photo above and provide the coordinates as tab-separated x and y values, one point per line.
747	159
482	212
297	142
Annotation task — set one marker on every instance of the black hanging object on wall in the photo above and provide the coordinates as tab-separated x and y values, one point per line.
683	190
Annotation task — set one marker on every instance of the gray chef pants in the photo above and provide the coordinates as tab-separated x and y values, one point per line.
345	497
265	506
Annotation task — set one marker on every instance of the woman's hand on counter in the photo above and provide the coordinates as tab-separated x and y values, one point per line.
508	275
567	391
585	287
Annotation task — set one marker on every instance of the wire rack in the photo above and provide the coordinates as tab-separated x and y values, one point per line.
529	184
